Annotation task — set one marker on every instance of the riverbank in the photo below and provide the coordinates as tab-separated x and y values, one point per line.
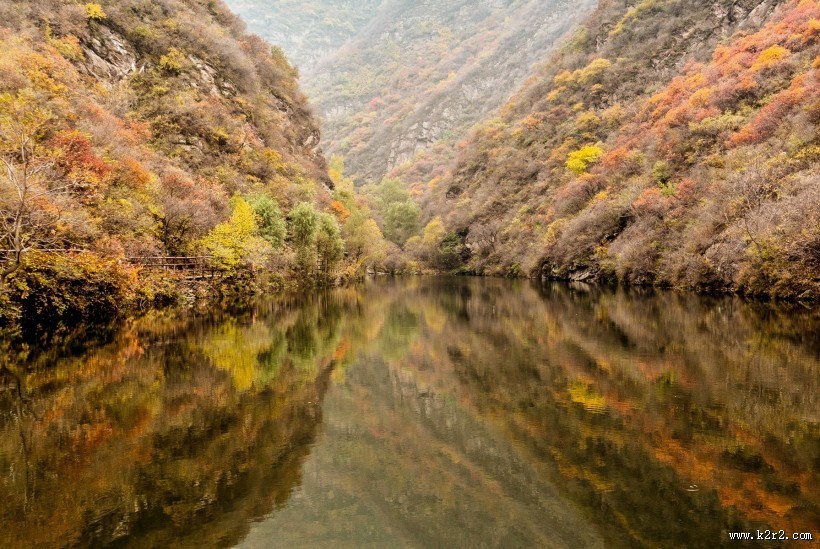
54	292
808	297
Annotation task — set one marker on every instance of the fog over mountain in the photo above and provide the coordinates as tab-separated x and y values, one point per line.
392	78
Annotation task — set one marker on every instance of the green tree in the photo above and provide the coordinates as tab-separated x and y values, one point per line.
304	223
272	226
452	252
662	172
401	221
391	191
398	212
329	244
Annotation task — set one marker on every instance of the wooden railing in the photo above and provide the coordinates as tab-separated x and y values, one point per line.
194	267
9	253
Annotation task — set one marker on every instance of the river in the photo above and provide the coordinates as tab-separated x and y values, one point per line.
420	413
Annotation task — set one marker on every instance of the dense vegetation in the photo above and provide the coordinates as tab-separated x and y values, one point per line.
660	145
135	129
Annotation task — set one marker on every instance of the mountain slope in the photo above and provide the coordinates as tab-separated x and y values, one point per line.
133	129
413	73
307	30
647	152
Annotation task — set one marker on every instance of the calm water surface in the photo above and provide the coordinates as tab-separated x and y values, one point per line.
420	413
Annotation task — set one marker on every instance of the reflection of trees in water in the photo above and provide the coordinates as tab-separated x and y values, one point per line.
182	442
207	478
632	398
474	402
402	464
618	400
623	400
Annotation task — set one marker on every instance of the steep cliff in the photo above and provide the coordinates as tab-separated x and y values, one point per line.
667	142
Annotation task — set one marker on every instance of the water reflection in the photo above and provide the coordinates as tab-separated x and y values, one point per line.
421	413
175	432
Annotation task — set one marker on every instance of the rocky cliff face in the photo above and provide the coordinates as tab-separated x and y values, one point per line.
407	74
108	56
159	114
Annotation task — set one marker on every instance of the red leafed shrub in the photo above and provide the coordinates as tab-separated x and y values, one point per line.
739	73
614	158
771	116
75	158
651	202
132	174
686	189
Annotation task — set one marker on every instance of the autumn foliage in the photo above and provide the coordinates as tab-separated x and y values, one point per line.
690	164
127	134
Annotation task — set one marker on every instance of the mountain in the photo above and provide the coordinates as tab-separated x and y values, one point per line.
309	31
393	78
138	129
666	142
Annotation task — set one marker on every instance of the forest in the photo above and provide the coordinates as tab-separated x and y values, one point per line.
658	146
662	143
136	130
659	142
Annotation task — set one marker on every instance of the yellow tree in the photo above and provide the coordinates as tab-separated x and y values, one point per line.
236	240
431	239
27	219
364	241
